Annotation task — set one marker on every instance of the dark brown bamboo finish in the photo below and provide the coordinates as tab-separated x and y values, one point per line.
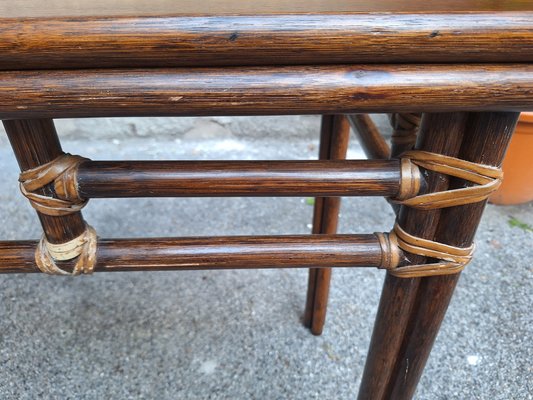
265	90
404	132
34	143
233	252
487	136
416	307
440	133
373	143
100	179
52	42
17	257
334	138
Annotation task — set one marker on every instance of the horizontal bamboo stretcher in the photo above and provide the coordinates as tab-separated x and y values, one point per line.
62	174
237	252
104	179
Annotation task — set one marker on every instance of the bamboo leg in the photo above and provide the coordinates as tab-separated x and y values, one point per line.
35	142
405	127
323	154
411	310
373	143
334	137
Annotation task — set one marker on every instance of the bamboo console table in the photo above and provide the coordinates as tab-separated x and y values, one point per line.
453	75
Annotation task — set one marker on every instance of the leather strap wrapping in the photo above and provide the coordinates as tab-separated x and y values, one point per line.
451	259
61	172
390	252
405	128
83	247
486	179
410	180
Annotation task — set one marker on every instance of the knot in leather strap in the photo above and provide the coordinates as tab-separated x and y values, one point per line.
486	179
61	172
83	247
451	259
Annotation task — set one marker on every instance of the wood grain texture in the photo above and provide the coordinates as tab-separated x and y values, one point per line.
404	132
440	133
100	179
415	307
34	143
233	252
262	90
334	139
374	144
326	131
83	8
486	138
217	40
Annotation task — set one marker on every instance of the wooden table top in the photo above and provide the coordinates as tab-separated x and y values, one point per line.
84	8
55	34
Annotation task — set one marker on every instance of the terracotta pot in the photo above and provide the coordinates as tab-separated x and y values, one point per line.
517	185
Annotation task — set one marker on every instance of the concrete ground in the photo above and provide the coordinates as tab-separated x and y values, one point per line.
237	334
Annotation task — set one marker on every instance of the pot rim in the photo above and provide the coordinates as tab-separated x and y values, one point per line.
526	117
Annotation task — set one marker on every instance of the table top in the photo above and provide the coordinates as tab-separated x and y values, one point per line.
118	58
55	34
84	8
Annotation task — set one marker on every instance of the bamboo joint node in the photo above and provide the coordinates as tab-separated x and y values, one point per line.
61	173
484	180
82	247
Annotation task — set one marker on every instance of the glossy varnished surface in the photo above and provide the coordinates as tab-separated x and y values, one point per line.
238	178
265	90
35	142
487	136
233	252
440	133
334	139
389	56
215	39
411	310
